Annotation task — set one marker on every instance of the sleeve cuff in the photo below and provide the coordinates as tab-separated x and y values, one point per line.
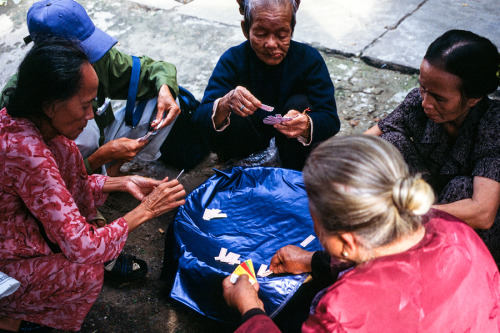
226	121
87	166
320	265
303	140
251	313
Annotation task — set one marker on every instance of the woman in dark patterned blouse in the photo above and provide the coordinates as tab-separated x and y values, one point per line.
449	130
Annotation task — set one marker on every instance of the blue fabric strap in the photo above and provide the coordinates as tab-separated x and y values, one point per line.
131	117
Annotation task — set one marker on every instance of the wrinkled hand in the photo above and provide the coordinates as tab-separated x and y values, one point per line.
291	259
165	197
295	127
139	186
123	149
241	295
166	103
236	98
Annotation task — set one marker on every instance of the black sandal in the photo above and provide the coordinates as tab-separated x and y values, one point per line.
126	268
28	326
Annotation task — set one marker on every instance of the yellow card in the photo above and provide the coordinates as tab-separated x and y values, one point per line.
244	268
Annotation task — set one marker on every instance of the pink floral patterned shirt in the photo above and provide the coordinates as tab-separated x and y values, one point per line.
46	182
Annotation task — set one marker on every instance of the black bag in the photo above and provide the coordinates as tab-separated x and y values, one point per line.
184	147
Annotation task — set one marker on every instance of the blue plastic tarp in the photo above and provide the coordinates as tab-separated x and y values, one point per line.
267	208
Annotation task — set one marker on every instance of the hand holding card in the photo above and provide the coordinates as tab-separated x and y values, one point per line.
278	119
245	267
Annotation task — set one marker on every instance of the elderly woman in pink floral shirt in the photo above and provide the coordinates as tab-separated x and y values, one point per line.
47	198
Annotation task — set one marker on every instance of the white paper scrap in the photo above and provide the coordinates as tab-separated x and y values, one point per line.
222	254
228	258
306	241
213	213
263	271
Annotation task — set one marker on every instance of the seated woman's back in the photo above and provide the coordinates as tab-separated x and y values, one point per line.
428	288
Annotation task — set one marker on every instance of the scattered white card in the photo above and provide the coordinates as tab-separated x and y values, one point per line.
213	213
263	271
306	241
229	258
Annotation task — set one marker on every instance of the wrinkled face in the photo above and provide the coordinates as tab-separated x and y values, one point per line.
270	34
69	117
332	244
441	97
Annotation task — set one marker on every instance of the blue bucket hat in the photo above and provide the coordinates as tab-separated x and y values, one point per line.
67	18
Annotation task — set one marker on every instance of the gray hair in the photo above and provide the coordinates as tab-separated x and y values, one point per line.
361	184
248	7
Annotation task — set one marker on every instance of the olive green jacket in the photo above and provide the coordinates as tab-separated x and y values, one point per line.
114	70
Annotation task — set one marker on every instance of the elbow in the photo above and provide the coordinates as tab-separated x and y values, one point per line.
485	220
73	257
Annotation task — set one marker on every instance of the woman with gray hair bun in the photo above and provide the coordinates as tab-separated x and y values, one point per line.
413	270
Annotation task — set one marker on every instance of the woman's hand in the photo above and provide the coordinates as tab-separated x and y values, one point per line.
165	197
139	186
162	198
242	295
165	103
295	127
240	101
291	259
123	149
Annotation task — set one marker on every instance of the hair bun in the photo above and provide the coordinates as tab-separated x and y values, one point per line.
412	195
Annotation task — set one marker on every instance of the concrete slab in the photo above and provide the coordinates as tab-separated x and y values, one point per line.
160	4
221	11
406	45
12	31
348	26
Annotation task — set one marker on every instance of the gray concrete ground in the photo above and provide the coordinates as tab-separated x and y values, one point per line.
372	49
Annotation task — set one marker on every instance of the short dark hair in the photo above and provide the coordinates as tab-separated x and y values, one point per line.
248	6
50	71
474	59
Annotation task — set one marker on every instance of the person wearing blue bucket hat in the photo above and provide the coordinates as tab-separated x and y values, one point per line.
104	151
68	19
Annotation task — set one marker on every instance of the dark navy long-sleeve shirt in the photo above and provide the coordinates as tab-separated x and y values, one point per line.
303	71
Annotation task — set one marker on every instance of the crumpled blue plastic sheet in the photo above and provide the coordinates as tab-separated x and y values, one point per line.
267	208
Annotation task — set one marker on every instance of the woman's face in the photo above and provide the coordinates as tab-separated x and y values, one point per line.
270	34
441	95
332	244
69	117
